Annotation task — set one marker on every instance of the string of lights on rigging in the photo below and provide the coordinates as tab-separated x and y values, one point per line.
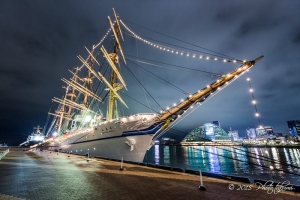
179	52
103	38
211	93
197	104
97	45
254	102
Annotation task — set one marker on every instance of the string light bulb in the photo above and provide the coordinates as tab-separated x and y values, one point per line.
254	102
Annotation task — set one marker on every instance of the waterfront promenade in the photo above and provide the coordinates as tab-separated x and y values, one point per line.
45	175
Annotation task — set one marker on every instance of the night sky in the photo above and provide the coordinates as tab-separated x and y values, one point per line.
41	39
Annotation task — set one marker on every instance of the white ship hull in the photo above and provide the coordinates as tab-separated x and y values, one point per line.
115	139
115	148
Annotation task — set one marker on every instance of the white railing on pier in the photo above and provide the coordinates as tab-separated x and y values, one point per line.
3	153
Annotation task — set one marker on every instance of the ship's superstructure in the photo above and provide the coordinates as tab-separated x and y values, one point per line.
34	138
82	128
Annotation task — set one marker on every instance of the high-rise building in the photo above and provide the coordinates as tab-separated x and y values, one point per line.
217	123
294	127
260	132
233	135
269	130
251	133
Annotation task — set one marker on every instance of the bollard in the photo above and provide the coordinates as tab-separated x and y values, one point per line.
88	156
272	168
121	164
201	187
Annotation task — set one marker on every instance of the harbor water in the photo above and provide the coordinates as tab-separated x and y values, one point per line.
250	162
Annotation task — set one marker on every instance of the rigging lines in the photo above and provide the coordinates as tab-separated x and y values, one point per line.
215	57
177	66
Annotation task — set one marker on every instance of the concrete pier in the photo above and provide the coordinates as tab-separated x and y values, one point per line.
51	175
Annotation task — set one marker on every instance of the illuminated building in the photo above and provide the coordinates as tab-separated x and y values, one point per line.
294	127
251	133
217	123
269	130
233	135
260	132
206	132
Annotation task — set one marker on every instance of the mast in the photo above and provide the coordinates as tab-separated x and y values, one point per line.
113	85
72	95
88	81
61	113
113	59
37	129
205	92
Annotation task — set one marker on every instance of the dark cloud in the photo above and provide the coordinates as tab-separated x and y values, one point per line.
296	38
268	97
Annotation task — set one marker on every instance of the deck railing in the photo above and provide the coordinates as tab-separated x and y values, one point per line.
3	153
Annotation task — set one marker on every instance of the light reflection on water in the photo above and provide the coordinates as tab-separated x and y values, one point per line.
219	160
156	154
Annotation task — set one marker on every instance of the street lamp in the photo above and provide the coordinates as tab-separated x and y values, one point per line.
201	187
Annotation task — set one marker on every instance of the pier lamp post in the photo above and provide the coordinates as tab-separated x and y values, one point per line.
121	168
201	187
272	168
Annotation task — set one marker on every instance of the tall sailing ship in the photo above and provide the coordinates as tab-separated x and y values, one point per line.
79	126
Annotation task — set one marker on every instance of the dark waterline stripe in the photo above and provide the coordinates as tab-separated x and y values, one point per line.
148	131
107	138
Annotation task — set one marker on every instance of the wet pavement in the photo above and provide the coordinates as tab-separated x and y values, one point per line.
45	175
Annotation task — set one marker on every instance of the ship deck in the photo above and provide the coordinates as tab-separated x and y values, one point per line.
52	175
